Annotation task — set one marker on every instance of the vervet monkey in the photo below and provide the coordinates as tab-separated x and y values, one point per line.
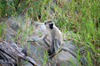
52	34
53	37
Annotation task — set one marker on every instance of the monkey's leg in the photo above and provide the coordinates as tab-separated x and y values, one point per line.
51	50
47	42
52	41
56	45
55	48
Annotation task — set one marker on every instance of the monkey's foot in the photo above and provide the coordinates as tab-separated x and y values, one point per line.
51	54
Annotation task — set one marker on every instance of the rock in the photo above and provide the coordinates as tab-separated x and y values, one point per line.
8	37
15	26
13	53
64	57
70	44
1	39
13	23
28	64
36	52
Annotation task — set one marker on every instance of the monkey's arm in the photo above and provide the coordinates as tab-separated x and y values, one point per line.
42	38
47	42
39	39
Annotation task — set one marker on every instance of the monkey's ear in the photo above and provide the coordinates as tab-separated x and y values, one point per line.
53	23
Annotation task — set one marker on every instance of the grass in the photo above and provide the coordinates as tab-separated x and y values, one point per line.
82	17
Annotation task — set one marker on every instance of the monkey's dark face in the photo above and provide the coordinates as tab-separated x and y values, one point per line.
49	25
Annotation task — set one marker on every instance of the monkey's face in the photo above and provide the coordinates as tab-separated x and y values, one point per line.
49	25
